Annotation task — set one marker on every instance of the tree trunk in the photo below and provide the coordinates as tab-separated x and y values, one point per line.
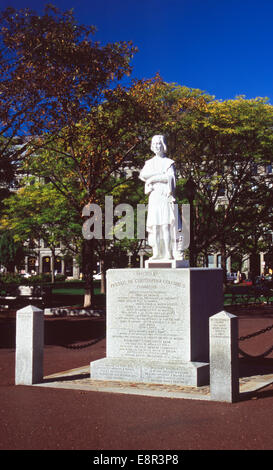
192	259
102	267
52	265
103	278
88	266
254	265
224	263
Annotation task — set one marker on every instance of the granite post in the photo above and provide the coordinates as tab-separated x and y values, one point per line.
29	345
224	374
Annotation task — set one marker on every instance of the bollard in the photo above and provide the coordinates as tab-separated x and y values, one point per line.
224	373
29	345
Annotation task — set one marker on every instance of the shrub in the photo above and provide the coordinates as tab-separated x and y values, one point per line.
60	277
38	279
10	278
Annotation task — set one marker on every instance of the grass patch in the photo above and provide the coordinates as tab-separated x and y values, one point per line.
73	291
245	299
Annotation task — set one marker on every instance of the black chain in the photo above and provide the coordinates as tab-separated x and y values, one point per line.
259	356
82	346
252	335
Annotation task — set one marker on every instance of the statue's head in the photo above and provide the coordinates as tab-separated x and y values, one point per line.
157	142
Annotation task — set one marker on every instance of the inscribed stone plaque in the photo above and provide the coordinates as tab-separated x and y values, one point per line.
147	315
220	328
158	325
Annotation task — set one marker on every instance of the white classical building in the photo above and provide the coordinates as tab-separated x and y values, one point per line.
40	261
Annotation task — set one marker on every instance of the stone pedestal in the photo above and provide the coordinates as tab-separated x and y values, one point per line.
163	263
29	345
25	290
158	325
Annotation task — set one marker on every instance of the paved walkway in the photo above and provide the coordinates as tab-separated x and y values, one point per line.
79	379
49	418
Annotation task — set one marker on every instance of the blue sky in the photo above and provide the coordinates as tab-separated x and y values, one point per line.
224	47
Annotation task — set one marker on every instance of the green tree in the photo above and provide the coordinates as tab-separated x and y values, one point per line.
11	252
228	141
37	211
88	164
51	74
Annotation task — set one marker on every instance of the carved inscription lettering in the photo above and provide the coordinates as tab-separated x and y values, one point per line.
147	318
220	328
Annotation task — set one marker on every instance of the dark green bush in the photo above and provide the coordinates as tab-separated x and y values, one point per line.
37	279
10	278
60	277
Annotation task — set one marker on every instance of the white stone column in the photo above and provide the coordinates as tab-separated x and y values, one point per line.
246	265
229	264
215	260
26	264
40	267
62	266
29	345
224	374
76	269
262	264
141	258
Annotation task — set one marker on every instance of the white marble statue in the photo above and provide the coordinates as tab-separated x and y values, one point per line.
158	174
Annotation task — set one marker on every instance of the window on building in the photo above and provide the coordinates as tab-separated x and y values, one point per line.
268	169
58	265
254	169
68	266
46	264
210	261
221	190
31	264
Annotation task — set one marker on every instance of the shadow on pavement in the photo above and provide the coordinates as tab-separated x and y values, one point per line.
58	331
250	367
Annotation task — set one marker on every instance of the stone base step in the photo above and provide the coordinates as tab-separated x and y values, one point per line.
195	374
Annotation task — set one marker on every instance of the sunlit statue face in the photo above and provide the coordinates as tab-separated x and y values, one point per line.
158	146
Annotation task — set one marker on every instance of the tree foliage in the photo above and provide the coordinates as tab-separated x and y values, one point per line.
37	211
52	72
216	144
59	86
11	252
234	194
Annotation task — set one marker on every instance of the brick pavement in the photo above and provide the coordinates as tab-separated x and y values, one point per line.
43	418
